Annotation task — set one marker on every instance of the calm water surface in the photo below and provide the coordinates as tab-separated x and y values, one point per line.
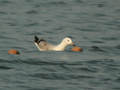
94	25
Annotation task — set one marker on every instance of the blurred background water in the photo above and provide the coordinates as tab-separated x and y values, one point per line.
94	25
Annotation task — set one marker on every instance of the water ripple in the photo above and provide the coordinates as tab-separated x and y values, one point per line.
5	67
2	12
5	2
32	12
118	47
96	48
60	76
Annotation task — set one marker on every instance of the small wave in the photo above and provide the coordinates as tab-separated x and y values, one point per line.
100	5
79	1
93	70
31	24
118	79
118	47
5	68
2	12
58	3
35	62
32	12
96	48
51	3
109	38
11	60
95	41
100	61
60	76
5	2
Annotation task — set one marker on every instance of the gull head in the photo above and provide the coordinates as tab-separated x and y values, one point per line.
68	41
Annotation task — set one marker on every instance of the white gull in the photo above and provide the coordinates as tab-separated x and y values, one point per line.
43	45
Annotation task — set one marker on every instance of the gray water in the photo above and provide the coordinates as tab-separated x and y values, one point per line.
94	25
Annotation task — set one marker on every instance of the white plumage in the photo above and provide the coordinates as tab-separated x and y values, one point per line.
43	45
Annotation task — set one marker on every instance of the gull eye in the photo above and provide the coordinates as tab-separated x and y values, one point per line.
68	40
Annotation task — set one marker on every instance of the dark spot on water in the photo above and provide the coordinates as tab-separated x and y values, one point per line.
37	5
4	68
93	70
48	20
11	24
118	79
1	12
29	0
5	1
32	12
42	62
116	88
96	48
70	37
53	76
101	61
88	30
109	38
117	10
58	3
31	24
64	66
60	76
118	47
97	41
100	15
46	88
100	5
79	1
59	28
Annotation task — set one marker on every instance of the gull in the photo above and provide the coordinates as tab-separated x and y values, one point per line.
43	45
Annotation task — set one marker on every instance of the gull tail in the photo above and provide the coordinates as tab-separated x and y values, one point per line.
36	39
